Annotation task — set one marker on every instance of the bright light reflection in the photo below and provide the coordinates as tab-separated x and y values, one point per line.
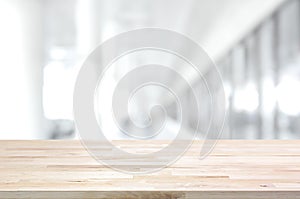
288	96
246	98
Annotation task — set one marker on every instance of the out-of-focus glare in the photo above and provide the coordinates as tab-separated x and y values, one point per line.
58	54
57	92
288	95
269	94
246	98
228	90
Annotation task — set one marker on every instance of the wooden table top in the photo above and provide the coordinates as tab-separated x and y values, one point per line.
234	169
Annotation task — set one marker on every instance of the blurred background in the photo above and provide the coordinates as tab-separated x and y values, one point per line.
255	44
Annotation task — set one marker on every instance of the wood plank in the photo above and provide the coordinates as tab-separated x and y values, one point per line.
234	169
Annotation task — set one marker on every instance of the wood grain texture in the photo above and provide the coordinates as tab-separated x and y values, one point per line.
235	169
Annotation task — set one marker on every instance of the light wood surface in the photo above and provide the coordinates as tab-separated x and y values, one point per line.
235	169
